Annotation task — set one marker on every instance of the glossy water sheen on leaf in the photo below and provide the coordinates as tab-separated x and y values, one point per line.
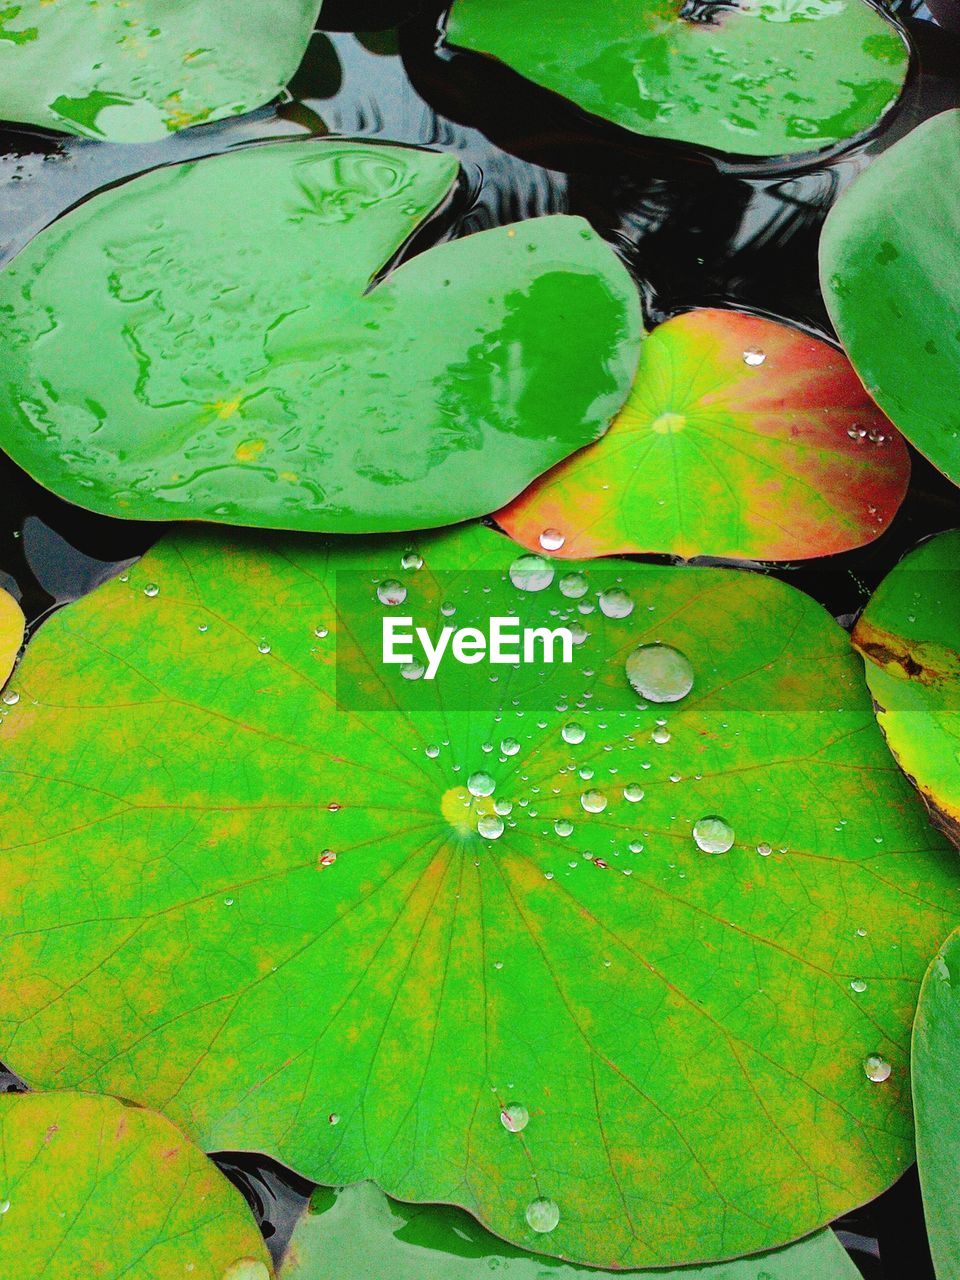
11	633
132	70
276	919
891	279
203	343
909	635
936	1104
92	1188
358	1231
740	438
761	78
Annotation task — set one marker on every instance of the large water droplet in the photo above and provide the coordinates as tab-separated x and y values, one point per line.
573	733
593	801
552	539
660	673
515	1117
563	827
490	826
876	1068
391	592
542	1215
713	834
615	603
151	590
481	784
509	746
573	586
632	792
531	573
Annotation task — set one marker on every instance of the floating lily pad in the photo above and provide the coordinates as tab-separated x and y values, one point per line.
909	635
93	1187
936	1104
11	633
891	279
358	1231
740	438
758	77
130	70
245	884
204	343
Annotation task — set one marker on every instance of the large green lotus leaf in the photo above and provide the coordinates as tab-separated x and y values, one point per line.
11	633
740	438
244	881
891	279
358	1231
936	1104
204	343
909	635
93	1187
133	70
758	77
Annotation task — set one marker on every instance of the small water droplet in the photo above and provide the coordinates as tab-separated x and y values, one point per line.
431	750
563	827
542	1215
573	733
321	633
4	1206
11	697
333	1118
203	628
391	592
412	670
593	801
615	603
661	734
531	573
490	826
552	539
876	1069
327	858
660	673
632	792
573	585
515	1117
713	834
151	590
509	746
481	784
764	850
503	807
411	560
753	357
858	985
263	647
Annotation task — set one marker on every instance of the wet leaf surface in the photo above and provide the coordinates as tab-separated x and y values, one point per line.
93	1187
740	438
891	279
307	947
130	71
936	1103
11	633
909	636
757	77
358	1231
242	368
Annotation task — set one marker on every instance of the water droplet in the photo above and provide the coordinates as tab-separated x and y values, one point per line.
635	846
11	697
327	858
593	801
4	1206
531	573
515	1117
563	827
490	826
413	670
615	603
573	586
503	807
263	647
228	902
661	734
481	784
151	590
552	539
660	673
411	560
753	357
876	1068
321	633
573	733
632	792
448	610
203	628
858	985
542	1215
509	746
391	592
333	1118
432	750
764	850
713	834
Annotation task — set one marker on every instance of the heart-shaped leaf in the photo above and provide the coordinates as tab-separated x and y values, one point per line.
909	635
740	438
936	1103
11	633
891	279
132	70
758	77
93	1187
204	343
358	1231
256	877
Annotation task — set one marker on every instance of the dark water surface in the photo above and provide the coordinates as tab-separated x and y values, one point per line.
694	230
